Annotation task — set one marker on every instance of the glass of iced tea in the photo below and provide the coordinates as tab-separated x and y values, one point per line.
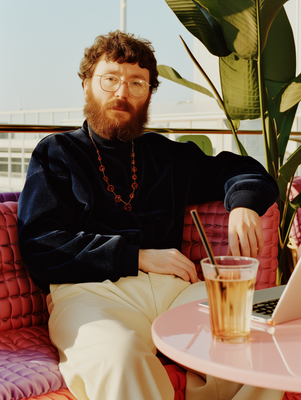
230	289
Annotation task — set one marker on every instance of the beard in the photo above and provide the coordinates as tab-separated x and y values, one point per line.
115	128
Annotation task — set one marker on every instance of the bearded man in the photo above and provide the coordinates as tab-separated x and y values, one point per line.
100	223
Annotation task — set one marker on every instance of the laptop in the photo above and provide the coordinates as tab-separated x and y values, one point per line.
287	306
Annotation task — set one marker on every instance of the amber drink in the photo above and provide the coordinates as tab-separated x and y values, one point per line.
230	288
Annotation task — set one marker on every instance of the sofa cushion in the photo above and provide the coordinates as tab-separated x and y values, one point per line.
61	394
22	303
28	363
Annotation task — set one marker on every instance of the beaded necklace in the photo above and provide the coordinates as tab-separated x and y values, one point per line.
111	188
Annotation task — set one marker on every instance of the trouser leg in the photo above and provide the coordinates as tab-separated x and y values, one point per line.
103	334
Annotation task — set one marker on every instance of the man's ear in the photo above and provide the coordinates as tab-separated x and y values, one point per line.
85	87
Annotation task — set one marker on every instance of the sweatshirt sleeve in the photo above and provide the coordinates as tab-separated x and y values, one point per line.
240	181
253	187
51	245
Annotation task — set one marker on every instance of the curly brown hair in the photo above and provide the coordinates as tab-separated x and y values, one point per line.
120	47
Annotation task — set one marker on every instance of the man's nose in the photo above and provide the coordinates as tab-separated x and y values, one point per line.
123	90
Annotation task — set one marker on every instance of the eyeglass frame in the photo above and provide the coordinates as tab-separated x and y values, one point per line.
121	82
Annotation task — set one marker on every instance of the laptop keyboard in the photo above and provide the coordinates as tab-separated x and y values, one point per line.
265	307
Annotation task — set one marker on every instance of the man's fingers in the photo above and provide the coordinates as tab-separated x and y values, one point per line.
260	240
183	267
248	245
234	248
245	233
167	261
181	273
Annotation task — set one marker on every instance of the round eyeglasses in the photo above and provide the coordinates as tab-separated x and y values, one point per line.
136	87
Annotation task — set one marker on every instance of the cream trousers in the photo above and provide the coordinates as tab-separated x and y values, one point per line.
103	335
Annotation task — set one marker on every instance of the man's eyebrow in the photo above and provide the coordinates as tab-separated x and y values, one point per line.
139	76
113	72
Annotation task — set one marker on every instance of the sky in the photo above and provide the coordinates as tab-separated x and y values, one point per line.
43	41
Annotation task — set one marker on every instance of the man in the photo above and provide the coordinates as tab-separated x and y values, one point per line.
100	226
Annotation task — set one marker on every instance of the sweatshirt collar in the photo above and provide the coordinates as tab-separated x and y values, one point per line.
115	143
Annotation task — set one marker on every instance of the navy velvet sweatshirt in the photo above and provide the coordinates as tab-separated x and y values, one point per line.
71	229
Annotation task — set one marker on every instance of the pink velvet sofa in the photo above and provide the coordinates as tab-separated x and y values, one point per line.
28	360
296	226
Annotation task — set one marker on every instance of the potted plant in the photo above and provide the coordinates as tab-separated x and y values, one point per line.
254	42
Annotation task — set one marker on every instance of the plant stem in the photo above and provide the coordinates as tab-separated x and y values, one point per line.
218	97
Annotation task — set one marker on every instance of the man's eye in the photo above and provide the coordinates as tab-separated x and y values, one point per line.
137	83
111	79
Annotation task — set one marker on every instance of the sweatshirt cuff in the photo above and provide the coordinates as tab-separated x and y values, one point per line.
247	199
129	260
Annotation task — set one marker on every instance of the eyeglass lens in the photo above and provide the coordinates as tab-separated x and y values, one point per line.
111	83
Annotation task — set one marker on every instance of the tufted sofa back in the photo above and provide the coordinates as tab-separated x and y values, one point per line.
214	218
22	303
9	196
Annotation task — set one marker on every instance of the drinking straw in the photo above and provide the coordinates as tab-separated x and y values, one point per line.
203	236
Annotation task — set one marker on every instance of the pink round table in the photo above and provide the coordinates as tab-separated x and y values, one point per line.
271	358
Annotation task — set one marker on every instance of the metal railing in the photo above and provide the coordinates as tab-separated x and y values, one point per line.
17	142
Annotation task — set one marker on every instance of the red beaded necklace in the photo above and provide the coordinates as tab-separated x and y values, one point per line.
110	188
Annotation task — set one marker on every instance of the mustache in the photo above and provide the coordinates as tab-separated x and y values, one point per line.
118	103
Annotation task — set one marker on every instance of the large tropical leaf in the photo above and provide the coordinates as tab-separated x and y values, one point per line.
287	171
296	202
239	77
285	130
279	54
201	24
212	7
239	84
232	124
239	20
173	75
289	95
279	67
283	121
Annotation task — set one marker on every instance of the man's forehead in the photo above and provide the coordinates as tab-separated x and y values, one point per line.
125	68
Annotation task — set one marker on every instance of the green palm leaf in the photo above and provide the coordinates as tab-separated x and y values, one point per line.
239	84
289	95
239	77
239	23
296	202
173	75
279	67
279	54
287	171
201	24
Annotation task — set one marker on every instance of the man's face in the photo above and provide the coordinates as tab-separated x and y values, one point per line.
116	115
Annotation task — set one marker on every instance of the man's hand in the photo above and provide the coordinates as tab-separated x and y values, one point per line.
245	233
169	262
